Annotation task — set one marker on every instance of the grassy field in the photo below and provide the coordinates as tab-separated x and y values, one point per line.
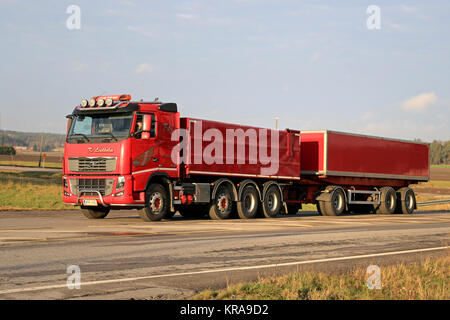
443	166
44	193
426	280
18	163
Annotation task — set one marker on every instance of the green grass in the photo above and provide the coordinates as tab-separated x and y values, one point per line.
17	195
48	176
53	165
427	279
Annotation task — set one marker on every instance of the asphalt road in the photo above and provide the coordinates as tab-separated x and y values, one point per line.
123	257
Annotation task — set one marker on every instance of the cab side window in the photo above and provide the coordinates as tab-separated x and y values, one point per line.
140	126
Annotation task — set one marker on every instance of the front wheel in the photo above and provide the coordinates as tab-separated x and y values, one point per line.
388	201
335	206
95	213
157	203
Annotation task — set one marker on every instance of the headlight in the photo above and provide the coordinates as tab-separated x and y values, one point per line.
84	103
100	102
92	102
120	183
109	102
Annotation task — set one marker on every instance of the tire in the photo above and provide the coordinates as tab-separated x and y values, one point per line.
271	206
222	204
194	211
336	204
388	201
319	210
157	203
247	208
97	213
406	201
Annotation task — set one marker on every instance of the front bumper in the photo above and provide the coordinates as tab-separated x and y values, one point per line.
103	189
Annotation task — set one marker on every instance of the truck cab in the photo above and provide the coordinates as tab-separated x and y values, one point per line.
113	147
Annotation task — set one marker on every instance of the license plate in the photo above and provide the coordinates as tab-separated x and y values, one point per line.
90	202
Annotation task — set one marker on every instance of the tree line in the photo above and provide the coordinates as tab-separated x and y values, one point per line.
32	140
440	152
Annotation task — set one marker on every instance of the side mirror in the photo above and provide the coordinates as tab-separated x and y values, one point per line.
146	126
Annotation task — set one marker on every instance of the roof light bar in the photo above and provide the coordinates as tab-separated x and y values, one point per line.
92	102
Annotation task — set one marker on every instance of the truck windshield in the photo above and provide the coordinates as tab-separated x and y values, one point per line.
94	127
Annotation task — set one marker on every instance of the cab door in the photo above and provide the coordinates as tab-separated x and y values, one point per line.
144	150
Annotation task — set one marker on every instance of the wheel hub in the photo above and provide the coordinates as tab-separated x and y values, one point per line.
156	202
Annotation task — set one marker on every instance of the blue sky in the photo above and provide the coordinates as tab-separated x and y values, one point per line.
313	64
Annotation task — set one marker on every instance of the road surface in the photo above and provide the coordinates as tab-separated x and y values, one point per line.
123	257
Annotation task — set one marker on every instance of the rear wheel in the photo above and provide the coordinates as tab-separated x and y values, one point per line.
222	205
247	208
406	201
388	201
157	204
271	206
95	213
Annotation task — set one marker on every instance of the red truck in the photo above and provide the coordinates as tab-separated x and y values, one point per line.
124	154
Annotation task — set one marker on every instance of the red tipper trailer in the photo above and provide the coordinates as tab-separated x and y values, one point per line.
340	154
134	154
238	147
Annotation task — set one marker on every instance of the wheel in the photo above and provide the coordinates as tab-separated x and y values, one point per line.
271	206
388	201
194	211
247	208
222	205
95	213
336	204
319	210
157	204
406	201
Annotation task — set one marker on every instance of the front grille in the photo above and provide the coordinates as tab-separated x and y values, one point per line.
104	186
92	164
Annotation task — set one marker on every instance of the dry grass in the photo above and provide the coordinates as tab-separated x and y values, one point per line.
426	280
437	207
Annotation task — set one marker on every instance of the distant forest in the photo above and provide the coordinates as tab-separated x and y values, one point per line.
439	150
32	140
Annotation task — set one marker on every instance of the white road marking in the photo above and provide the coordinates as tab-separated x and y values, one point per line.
60	286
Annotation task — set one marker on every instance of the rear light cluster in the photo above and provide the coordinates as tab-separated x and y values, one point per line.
104	101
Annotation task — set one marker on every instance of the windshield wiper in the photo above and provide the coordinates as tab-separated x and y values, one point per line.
109	134
79	134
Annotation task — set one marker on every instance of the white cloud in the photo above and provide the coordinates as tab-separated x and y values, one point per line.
186	16
144	67
419	102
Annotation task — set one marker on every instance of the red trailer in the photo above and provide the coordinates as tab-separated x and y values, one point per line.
124	154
